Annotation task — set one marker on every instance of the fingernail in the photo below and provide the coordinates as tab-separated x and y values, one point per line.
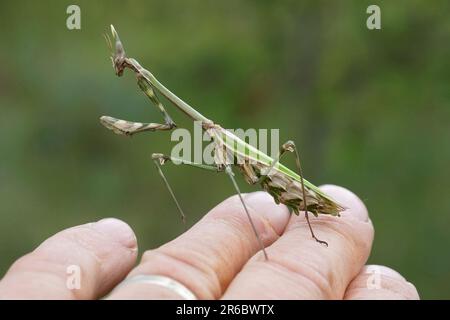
276	214
118	230
355	207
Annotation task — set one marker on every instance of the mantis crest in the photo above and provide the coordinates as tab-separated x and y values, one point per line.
283	184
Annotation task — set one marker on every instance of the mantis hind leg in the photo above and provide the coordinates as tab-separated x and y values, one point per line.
290	146
124	127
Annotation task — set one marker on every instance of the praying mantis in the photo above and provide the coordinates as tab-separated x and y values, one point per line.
283	184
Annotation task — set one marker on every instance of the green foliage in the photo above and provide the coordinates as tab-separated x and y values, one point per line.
369	110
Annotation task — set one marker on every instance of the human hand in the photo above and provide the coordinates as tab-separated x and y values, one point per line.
218	258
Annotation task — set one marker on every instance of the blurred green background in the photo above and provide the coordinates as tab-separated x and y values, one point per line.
369	110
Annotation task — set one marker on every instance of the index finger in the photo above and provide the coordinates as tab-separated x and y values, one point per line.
301	268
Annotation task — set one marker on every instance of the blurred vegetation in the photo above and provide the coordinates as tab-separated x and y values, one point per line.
369	110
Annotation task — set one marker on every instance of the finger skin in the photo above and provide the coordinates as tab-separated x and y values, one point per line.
380	282
207	257
301	268
104	251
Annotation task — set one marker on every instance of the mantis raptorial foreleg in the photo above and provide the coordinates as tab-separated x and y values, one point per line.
147	89
290	146
125	127
129	128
